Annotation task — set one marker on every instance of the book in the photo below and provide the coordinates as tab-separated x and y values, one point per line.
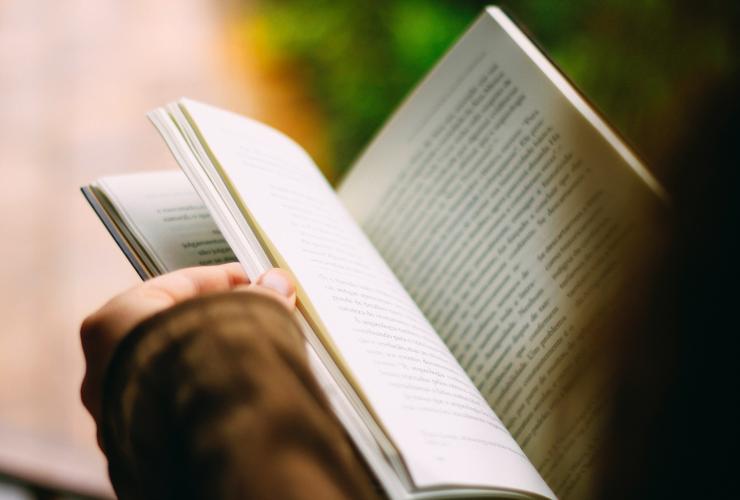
158	221
453	289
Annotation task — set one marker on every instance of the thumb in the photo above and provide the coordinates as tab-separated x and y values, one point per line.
276	283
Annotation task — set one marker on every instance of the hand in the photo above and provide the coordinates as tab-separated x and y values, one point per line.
101	332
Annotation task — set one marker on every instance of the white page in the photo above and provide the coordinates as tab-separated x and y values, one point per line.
167	218
445	431
504	205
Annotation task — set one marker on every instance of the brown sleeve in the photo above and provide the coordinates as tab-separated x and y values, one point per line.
214	399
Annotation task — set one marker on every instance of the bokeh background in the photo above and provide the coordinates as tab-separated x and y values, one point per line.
76	78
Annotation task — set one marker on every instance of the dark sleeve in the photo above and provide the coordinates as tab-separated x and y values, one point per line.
213	398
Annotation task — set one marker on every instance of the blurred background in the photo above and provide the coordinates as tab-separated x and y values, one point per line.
76	78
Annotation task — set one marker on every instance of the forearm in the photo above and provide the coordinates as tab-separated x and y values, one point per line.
214	399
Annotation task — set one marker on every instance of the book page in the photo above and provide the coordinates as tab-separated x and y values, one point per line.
167	219
507	210
444	430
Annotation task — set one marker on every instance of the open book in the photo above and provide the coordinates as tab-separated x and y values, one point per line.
451	289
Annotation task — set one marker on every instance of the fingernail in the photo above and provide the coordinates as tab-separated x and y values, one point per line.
278	281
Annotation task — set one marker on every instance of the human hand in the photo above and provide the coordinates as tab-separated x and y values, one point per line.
101	331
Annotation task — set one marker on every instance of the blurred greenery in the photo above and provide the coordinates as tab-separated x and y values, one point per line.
644	63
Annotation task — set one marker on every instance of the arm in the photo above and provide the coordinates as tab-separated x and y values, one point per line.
213	398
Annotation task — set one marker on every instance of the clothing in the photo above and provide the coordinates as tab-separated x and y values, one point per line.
214	398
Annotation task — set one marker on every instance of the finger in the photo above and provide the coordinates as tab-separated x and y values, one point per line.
137	303
279	281
102	330
190	282
275	283
126	310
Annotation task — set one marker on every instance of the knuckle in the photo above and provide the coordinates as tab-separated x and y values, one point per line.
85	392
88	328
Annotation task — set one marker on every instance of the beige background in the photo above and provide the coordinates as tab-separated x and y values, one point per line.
76	77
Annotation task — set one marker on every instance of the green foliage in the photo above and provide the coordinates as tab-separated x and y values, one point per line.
636	59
